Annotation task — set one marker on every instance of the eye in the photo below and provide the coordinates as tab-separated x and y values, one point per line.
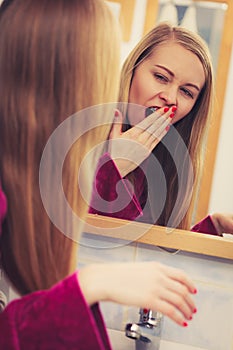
161	77
187	92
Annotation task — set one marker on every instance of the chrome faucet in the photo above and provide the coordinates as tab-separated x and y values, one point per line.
147	332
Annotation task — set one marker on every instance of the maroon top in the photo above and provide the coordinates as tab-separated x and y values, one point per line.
114	196
54	319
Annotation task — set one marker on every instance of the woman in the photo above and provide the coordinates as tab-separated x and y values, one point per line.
58	57
169	71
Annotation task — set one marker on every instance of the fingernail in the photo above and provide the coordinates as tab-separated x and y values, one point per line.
167	128
116	115
190	318
172	115
166	109
195	291
185	324
194	310
174	108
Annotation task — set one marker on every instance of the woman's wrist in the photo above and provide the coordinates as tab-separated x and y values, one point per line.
92	279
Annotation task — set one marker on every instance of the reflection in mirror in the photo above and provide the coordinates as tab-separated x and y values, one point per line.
212	19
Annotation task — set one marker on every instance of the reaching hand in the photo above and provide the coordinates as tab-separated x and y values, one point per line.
149	285
130	148
223	223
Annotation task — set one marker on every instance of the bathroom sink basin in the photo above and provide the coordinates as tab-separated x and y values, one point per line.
167	345
120	342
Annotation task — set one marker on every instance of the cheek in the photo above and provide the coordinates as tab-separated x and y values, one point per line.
137	98
139	90
135	92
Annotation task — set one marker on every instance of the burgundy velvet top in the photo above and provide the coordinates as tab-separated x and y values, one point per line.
54	319
114	196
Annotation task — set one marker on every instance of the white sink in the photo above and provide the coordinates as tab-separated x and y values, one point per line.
120	342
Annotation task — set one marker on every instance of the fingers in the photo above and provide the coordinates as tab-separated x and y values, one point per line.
116	129
181	277
169	310
161	126
152	129
175	296
180	298
223	223
157	118
175	302
159	130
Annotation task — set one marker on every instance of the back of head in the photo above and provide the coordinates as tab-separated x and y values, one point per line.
56	58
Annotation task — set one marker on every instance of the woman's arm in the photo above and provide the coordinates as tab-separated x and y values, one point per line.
58	318
112	195
205	226
149	285
215	224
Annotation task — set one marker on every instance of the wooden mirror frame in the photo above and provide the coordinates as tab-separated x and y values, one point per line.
221	75
153	235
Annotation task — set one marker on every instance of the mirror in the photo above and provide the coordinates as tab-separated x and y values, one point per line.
215	18
215	25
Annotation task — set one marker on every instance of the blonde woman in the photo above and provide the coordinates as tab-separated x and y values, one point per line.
169	72
57	58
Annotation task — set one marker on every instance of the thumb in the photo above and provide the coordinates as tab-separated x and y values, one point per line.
116	129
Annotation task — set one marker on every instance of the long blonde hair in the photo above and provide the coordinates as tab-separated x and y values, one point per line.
193	127
56	57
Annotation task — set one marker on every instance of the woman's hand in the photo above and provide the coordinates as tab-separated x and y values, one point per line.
130	148
223	223
149	285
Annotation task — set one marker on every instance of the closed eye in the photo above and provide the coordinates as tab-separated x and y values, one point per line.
160	77
187	92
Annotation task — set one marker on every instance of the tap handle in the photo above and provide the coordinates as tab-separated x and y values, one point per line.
144	315
132	330
152	318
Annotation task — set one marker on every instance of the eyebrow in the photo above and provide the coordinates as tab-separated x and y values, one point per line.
172	74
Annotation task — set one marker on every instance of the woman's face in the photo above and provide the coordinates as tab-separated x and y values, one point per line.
172	75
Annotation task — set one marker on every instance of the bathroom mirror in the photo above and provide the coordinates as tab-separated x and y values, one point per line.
214	22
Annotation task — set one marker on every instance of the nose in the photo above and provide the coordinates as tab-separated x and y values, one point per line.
169	95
